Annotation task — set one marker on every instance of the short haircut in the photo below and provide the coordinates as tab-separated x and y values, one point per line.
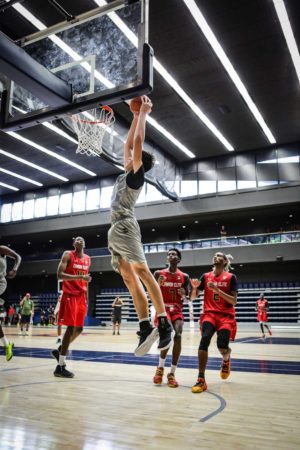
148	160
175	250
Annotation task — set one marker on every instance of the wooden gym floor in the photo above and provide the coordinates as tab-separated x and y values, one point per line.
111	403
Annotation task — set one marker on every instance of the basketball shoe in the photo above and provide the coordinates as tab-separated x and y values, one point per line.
225	369
158	377
172	383
200	386
147	339
9	351
62	372
165	333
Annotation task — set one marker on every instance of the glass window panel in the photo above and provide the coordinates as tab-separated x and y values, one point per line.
79	201
289	172
204	166
142	196
28	209
266	157
188	188
6	212
267	174
246	184
93	199
225	161
105	199
52	205
17	210
226	185
152	194
242	160
207	187
40	207
65	203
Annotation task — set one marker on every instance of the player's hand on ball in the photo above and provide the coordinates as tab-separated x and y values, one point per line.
146	105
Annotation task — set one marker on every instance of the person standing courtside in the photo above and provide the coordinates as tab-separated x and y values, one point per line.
174	287
73	269
27	312
117	314
124	236
220	297
7	252
262	307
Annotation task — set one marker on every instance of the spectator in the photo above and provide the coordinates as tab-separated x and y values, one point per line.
223	234
11	313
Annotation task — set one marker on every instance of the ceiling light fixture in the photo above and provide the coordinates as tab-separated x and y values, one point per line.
16	175
214	43
288	33
49	152
35	166
8	186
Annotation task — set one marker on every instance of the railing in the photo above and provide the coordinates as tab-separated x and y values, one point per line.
231	241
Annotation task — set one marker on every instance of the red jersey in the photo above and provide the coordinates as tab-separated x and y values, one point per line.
76	266
213	302
262	305
171	285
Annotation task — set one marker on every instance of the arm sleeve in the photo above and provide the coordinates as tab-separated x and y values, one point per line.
233	283
136	180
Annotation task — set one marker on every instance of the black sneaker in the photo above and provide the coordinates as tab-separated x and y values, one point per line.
62	372
147	339
165	333
55	353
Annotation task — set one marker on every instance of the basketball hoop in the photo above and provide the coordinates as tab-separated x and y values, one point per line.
90	127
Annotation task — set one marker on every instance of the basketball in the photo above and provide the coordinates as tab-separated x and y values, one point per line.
135	104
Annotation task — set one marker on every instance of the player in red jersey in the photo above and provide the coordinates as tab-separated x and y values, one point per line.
174	287
73	269
218	315
262	307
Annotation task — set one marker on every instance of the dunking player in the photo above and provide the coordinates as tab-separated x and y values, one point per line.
73	269
220	297
124	236
174	287
262	307
4	252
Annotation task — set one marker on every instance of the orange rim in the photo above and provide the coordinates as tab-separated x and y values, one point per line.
105	107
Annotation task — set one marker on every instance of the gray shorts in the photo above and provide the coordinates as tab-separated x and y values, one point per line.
3	285
124	241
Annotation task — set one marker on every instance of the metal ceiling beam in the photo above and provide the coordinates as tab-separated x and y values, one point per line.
9	4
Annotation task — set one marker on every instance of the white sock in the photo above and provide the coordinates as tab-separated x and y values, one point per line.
161	362
62	360
5	341
146	319
173	368
162	314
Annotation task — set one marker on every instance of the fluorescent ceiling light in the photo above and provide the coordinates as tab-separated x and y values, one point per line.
35	166
8	186
40	26
14	174
49	152
288	33
208	33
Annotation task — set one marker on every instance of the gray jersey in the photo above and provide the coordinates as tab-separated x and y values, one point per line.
123	200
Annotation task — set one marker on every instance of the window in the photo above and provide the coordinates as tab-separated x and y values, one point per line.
93	199
79	201
52	205
65	203
142	196
207	187
40	207
105	199
28	209
17	210
152	194
6	213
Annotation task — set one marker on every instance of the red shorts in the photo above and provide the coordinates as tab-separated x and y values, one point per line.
262	316
220	322
72	310
173	311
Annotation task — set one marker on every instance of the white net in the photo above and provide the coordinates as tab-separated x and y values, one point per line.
90	127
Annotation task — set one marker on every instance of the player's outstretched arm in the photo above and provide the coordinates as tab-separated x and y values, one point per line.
128	146
11	254
139	135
